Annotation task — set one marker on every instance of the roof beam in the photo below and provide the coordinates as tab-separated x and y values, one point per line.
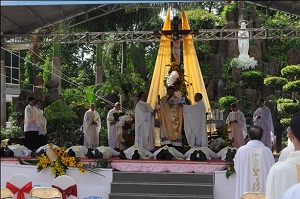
33	14
11	23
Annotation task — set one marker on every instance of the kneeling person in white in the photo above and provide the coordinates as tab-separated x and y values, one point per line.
207	151
176	154
252	164
144	154
107	151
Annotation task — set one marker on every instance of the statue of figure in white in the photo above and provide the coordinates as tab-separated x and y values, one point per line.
243	44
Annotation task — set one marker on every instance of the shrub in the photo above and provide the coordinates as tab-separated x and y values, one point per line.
252	79
61	120
225	102
275	82
287	109
292	86
291	72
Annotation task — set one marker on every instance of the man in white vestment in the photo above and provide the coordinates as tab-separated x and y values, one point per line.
113	137
80	151
263	118
144	154
285	174
144	123
107	152
293	192
31	129
238	128
285	153
207	151
91	127
176	154
41	121
194	117
252	163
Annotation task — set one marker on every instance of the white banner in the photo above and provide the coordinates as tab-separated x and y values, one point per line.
89	186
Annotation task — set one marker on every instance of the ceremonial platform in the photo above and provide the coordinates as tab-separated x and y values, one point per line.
147	179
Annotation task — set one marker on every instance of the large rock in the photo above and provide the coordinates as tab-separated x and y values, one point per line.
52	84
206	80
236	74
252	97
255	51
25	94
80	111
18	106
53	97
37	80
221	88
216	61
233	50
272	68
238	91
293	57
211	90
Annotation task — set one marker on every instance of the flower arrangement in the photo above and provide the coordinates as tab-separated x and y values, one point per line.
176	78
59	161
244	63
125	122
129	138
230	170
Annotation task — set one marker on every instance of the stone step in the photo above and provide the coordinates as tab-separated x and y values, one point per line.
162	188
156	196
163	177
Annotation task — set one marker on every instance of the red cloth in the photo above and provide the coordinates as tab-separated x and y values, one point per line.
25	189
71	190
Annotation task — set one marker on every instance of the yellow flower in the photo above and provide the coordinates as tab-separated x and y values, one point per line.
81	170
79	164
229	168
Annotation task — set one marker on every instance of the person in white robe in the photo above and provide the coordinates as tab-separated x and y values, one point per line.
285	153
223	152
285	174
41	121
107	151
19	150
252	163
45	147
194	117
32	139
207	151
80	151
113	133
91	127
293	192
144	123
237	126
176	154
144	154
263	118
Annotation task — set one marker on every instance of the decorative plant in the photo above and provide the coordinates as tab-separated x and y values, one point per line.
291	72
252	79
61	120
275	82
286	107
224	102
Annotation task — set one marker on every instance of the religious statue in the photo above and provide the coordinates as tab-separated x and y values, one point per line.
243	44
176	35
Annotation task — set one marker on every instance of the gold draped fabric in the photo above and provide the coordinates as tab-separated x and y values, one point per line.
161	70
171	119
192	67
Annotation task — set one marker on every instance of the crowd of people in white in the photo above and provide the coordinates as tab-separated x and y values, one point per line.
254	161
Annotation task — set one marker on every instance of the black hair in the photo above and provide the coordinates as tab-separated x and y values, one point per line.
261	99
30	99
37	101
200	95
255	132
295	125
233	105
140	94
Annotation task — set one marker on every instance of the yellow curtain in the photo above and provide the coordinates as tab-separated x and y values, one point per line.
161	70
191	66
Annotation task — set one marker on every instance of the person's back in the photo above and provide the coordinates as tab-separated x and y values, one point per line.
252	163
284	174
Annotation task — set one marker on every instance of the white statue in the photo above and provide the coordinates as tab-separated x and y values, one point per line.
243	44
